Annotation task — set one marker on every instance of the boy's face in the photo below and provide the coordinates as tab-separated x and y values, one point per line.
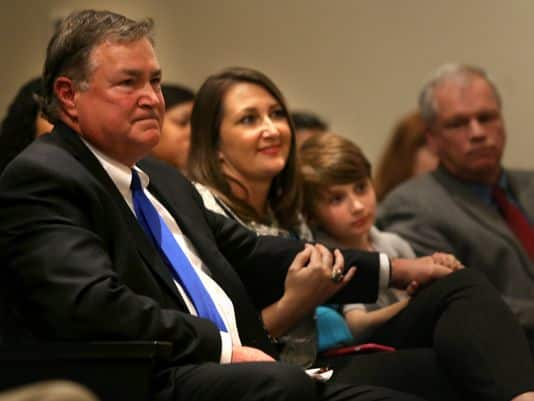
347	212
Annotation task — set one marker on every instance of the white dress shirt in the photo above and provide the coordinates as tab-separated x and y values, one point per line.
121	175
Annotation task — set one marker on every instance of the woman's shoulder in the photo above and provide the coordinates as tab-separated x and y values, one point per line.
210	200
304	231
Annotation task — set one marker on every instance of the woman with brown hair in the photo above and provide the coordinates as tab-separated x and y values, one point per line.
406	155
244	164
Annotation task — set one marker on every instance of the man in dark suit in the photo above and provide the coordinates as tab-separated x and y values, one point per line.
77	264
455	209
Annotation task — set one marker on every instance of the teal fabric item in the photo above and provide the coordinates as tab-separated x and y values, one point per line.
332	330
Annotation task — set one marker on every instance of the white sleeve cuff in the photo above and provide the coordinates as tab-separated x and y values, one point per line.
226	347
385	272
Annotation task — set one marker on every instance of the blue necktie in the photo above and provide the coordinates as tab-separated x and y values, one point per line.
170	250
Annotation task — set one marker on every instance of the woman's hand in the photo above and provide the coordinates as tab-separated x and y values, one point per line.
309	283
310	278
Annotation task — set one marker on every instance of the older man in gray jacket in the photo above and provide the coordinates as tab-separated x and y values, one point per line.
471	206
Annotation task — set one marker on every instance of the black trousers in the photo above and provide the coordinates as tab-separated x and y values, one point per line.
263	381
414	371
457	340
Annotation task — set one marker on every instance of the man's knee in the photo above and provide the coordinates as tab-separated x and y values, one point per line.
346	392
285	382
255	381
470	280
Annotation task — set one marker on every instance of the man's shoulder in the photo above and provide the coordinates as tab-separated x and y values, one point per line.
521	176
160	170
168	180
45	156
419	201
416	190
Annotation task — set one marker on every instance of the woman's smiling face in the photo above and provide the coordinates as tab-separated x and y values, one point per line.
255	136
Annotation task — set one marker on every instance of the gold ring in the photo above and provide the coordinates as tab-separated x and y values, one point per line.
337	275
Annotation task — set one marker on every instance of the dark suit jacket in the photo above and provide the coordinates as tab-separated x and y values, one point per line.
77	266
437	212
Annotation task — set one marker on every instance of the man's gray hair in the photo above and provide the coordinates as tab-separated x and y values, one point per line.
427	101
70	48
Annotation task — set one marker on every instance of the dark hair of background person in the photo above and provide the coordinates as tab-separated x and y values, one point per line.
19	125
204	165
397	162
307	124
308	120
329	159
176	94
174	141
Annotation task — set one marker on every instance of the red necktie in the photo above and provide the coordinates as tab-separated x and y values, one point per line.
516	220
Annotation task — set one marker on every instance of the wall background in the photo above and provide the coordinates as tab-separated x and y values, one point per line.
358	63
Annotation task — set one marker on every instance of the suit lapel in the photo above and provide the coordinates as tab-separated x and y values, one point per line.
144	246
177	195
148	252
484	214
522	185
191	224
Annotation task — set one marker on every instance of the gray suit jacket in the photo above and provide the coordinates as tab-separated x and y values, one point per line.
436	212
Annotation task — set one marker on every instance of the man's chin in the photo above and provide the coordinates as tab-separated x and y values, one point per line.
487	173
149	136
486	164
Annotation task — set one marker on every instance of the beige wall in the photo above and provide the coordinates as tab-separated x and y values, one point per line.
359	63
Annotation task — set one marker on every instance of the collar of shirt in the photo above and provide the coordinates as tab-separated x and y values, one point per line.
483	192
120	174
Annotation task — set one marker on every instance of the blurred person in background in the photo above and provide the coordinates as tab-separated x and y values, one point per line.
307	124
22	123
173	146
406	155
471	205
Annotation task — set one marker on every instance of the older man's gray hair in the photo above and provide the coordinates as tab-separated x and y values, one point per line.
461	72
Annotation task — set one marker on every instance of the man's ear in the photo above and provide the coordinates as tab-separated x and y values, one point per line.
66	95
